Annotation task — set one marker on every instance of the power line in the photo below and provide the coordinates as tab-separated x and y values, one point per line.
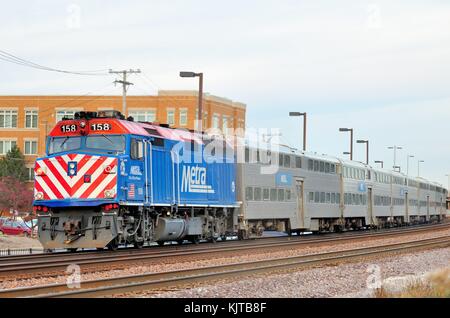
7	57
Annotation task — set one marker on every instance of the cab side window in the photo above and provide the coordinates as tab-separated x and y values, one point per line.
137	149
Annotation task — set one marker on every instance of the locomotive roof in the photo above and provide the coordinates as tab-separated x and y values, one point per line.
119	127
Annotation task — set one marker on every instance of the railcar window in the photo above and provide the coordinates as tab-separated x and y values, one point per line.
280	156
310	165
311	197
316	165
62	144
333	198
333	168
280	194
328	198
288	195
258	194
137	149
249	194
298	162
322	197
266	194
103	143
316	197
327	167
354	199
273	194
247	155
287	161
322	166
338	198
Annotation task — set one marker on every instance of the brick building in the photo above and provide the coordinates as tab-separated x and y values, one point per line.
25	121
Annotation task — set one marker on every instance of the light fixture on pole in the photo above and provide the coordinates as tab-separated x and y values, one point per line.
367	148
418	166
351	141
395	148
200	96
297	114
380	162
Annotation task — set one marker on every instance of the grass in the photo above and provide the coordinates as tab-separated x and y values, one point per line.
437	285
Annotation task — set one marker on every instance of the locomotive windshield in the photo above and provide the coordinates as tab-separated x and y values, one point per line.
95	144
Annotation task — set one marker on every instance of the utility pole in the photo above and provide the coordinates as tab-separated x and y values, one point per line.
125	85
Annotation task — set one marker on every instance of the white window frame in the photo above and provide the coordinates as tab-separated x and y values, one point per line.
65	114
31	141
31	113
148	115
171	113
10	113
183	115
216	125
2	147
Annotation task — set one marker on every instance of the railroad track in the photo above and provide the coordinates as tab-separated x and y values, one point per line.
10	266
176	279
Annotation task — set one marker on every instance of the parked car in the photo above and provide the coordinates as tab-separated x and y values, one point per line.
10	227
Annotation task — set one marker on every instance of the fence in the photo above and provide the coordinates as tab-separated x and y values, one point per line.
19	251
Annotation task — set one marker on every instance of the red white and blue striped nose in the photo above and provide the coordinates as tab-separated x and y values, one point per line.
76	176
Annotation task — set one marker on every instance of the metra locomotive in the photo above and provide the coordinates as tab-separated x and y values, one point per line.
107	181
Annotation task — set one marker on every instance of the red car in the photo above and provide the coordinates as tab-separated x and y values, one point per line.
10	227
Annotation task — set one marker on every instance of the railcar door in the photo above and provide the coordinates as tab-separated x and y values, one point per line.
299	186
428	207
136	178
370	206
406	207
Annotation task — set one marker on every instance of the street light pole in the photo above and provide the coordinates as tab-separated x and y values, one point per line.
418	166
297	114
200	96
395	148
407	169
367	148
351	140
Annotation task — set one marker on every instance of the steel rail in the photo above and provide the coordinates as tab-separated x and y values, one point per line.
157	281
60	264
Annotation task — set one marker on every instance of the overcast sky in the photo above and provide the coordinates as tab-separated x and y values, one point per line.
380	67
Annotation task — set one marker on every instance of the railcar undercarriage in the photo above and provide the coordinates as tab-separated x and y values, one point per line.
113	226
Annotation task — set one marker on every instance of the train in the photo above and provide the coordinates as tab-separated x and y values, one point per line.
107	181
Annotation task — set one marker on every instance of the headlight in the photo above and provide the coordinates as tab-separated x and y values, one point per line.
110	194
39	196
41	172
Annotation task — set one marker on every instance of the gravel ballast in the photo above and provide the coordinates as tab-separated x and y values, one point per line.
212	260
346	280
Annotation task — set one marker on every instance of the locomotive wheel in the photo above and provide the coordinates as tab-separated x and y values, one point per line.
73	250
195	240
160	243
100	248
180	242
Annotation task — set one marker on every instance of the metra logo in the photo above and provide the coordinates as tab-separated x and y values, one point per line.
194	180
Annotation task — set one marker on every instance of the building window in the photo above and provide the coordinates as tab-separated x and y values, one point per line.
60	115
171	117
8	118
146	116
30	147
183	117
31	119
216	121
6	146
225	125
30	174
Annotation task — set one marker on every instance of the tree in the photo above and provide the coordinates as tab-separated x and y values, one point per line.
15	195
13	165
